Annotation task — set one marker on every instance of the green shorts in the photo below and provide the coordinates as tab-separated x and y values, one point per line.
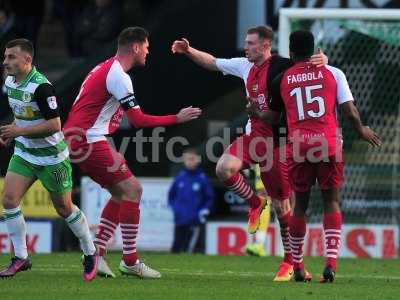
55	178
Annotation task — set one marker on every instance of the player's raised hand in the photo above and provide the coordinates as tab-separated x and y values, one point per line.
319	59
252	109
188	113
180	46
367	134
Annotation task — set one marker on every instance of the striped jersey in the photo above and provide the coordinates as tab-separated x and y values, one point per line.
33	101
104	95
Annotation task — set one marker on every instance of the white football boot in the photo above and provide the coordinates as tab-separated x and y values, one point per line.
103	269
139	269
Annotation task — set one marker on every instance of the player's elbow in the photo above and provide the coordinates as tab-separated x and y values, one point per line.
54	125
212	65
350	112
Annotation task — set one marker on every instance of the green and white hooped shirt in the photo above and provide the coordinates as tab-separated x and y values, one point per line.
33	101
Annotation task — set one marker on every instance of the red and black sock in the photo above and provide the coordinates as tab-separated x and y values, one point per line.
240	187
108	223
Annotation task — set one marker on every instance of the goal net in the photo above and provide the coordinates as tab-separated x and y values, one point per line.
365	44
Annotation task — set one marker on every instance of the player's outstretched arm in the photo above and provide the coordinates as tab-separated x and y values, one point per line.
46	128
353	116
203	59
140	120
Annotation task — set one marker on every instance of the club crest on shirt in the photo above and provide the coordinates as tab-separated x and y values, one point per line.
26	97
254	88
52	101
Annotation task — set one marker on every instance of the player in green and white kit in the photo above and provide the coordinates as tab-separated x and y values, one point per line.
40	153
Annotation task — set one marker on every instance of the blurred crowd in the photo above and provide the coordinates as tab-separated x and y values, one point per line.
87	24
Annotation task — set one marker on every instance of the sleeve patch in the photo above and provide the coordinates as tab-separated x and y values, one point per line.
52	102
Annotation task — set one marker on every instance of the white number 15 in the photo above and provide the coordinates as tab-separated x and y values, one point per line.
309	99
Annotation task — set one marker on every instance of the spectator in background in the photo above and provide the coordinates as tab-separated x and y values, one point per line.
28	18
98	25
191	198
70	11
7	33
7	29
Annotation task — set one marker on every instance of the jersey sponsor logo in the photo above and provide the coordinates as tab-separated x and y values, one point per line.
296	78
52	101
22	111
26	97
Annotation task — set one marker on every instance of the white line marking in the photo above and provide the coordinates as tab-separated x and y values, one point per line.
51	268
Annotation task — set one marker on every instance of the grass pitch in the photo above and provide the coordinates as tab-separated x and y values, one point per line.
58	276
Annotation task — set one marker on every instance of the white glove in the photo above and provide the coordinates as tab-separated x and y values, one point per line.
203	213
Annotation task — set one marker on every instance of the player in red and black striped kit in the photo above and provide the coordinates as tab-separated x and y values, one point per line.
259	144
106	94
310	95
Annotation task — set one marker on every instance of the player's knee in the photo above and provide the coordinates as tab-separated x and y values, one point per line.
133	192
225	170
332	205
10	200
63	210
278	207
281	207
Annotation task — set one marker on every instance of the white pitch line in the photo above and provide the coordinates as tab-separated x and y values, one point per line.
50	268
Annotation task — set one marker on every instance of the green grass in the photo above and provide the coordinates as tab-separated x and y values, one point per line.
58	276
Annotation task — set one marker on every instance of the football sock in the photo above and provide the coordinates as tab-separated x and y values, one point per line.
16	227
79	226
297	231
109	221
332	229
240	187
129	216
284	225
